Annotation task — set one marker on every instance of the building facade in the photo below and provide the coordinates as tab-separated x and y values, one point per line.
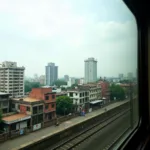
94	91
70	82
51	73
49	99
66	77
40	105
90	70
4	102
12	79
105	91
81	81
80	98
32	107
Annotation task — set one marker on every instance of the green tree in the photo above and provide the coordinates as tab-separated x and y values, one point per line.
29	85
116	91
125	81
58	83
73	86
64	105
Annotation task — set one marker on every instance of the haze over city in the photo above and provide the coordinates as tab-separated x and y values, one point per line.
67	32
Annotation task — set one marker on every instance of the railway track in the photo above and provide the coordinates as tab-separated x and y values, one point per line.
77	139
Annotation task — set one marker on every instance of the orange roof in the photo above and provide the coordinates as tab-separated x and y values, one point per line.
28	99
15	118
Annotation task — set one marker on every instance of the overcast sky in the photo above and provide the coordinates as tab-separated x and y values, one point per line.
66	32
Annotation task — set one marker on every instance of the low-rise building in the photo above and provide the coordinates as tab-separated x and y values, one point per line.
80	98
16	123
49	98
40	105
30	106
94	90
4	102
105	91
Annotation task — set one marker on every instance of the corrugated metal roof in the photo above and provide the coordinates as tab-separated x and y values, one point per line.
96	101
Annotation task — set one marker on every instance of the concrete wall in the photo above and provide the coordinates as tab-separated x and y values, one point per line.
51	140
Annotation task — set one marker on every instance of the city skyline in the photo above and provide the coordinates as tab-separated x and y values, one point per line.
77	31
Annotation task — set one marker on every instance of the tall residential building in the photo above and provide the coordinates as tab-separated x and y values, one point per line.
66	77
90	70
51	73
12	79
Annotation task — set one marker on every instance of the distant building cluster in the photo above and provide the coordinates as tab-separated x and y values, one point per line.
38	107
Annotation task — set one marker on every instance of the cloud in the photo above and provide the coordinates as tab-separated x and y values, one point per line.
67	32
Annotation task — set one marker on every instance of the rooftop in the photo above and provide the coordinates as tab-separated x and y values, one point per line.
15	118
27	99
61	93
77	90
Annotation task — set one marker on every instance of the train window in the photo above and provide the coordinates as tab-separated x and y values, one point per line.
76	46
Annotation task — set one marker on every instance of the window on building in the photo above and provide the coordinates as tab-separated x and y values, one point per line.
13	105
80	94
53	105
40	109
4	110
40	118
28	108
71	94
46	106
35	111
80	100
34	120
53	96
46	97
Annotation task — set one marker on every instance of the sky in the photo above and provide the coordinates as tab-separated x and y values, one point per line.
66	32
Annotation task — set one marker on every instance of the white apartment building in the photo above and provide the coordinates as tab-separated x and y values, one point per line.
79	97
81	81
70	82
90	70
12	79
94	91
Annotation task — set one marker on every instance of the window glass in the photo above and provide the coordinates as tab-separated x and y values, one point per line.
72	46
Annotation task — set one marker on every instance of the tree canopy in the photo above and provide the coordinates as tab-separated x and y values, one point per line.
29	85
59	83
117	92
64	105
125	81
